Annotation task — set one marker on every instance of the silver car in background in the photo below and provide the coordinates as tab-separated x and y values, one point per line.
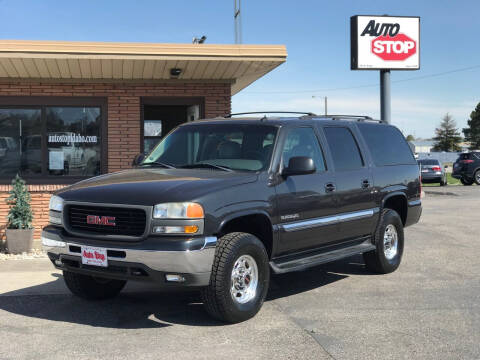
432	171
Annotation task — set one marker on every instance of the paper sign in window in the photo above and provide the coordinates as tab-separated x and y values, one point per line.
56	160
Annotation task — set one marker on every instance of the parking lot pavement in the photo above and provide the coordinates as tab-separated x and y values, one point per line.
428	309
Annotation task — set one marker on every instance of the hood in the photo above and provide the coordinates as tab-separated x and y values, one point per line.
153	186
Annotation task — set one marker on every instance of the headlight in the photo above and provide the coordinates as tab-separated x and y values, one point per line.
56	203
186	210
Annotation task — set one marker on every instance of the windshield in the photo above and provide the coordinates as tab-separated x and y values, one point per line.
220	146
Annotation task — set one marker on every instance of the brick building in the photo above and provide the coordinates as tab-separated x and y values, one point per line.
73	110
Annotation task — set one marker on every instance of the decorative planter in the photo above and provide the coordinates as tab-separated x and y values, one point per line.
19	240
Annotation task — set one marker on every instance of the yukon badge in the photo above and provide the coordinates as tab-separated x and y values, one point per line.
101	220
290	216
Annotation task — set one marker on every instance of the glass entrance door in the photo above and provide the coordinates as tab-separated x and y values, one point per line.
20	142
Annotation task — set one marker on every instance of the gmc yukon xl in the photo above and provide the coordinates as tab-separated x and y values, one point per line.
219	204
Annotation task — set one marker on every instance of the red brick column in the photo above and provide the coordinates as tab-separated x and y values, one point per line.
123	131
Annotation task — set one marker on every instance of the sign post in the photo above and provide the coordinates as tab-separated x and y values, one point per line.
385	98
385	43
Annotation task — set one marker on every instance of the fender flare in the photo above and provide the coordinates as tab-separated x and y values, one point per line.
242	213
392	194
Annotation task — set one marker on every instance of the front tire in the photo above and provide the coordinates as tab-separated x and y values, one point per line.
239	280
389	240
92	288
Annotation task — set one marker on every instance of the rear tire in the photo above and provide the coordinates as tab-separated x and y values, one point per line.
239	279
466	182
476	177
389	241
92	288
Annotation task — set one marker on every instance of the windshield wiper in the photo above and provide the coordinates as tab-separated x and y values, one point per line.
165	165
207	165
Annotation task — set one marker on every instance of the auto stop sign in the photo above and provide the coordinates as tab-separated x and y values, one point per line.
385	42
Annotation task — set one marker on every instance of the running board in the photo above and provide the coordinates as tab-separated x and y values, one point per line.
301	263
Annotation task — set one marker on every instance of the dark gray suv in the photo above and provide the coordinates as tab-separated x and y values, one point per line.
219	204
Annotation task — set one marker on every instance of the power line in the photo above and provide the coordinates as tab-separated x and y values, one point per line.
366	85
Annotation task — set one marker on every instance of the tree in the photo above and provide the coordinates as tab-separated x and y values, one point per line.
410	138
472	133
20	214
447	136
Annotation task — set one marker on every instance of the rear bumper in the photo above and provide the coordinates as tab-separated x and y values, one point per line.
460	175
190	258
426	177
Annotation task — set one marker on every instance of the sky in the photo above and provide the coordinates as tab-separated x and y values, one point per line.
317	36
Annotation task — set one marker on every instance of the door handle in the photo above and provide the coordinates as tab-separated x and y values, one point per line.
330	187
365	183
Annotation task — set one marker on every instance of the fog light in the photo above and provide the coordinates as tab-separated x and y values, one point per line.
175	278
52	243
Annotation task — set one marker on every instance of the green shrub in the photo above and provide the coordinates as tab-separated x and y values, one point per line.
20	214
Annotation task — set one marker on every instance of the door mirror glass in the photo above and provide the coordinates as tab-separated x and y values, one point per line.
138	159
299	165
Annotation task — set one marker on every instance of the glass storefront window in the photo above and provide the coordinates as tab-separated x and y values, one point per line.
20	142
50	141
73	137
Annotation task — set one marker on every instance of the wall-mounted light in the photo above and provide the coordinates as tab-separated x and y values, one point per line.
175	72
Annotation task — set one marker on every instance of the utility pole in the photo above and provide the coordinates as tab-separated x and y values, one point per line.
325	99
237	17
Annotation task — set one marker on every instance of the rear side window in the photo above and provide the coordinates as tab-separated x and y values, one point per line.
386	144
468	156
344	149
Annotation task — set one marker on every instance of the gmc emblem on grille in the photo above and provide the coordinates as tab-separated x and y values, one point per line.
101	220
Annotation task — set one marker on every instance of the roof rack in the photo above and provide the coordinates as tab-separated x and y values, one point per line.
271	112
358	117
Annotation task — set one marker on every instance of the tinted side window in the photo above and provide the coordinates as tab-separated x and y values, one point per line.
303	142
386	144
344	149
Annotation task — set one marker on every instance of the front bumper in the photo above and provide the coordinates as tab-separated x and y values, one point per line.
152	259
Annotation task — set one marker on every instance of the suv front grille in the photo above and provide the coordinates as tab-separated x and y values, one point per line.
128	221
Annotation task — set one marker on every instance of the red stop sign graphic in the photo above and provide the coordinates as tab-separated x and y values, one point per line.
399	47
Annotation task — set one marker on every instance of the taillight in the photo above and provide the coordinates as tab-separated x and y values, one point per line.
420	181
466	161
436	168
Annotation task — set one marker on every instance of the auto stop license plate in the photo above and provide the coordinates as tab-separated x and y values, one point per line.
94	256
424	170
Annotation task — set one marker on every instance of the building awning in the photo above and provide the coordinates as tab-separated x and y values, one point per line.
239	64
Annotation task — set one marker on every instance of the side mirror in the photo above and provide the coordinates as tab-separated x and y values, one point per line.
138	159
299	165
